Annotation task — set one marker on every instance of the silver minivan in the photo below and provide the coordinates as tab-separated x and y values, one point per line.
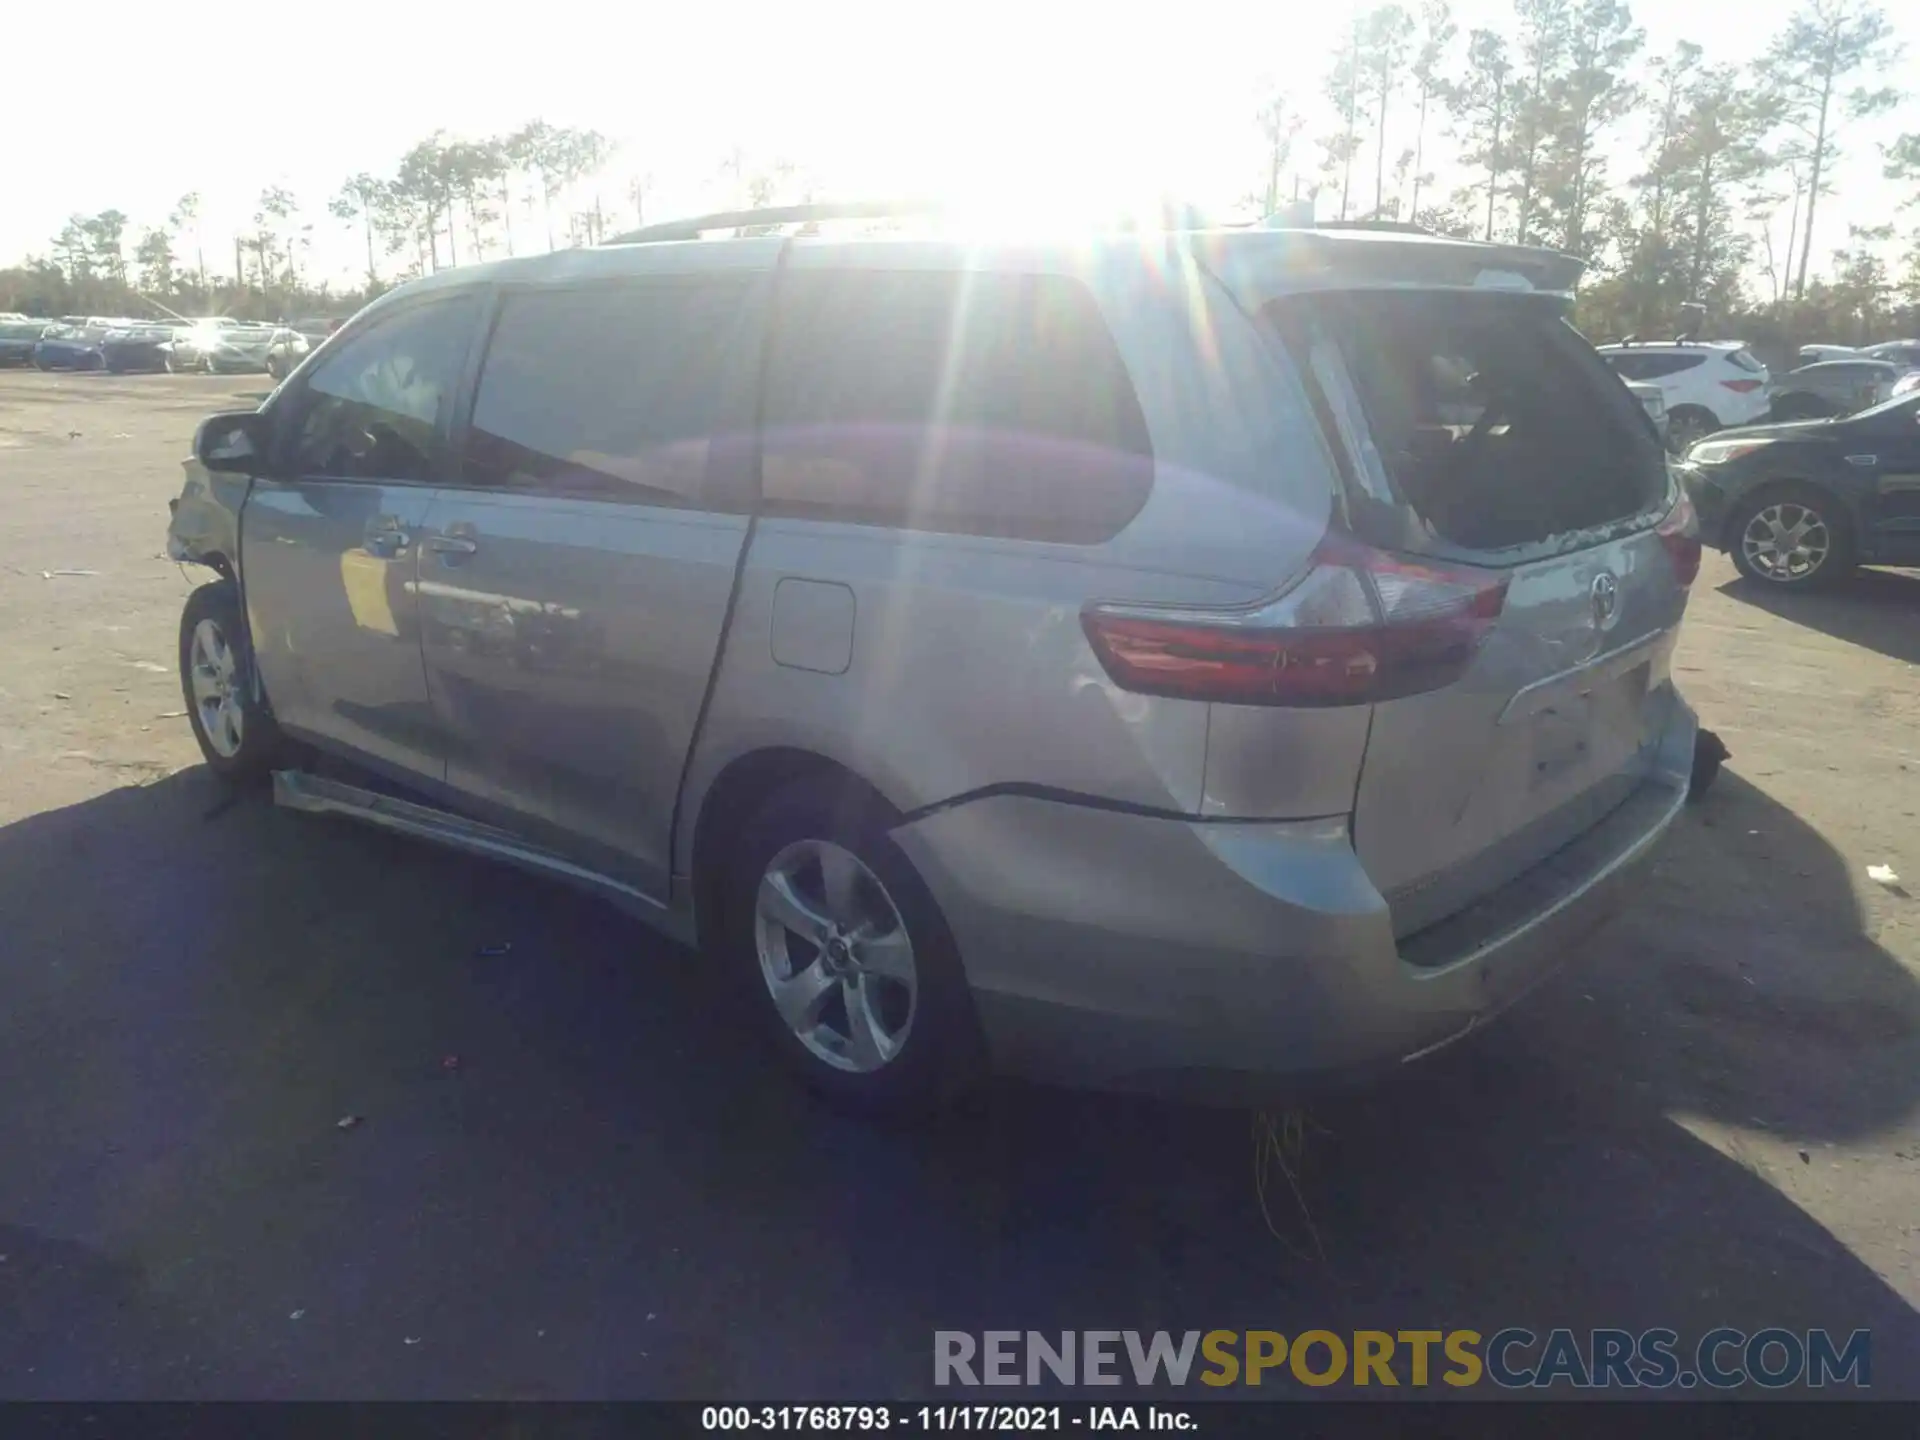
1194	660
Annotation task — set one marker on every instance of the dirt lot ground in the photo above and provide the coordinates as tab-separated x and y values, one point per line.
1713	1118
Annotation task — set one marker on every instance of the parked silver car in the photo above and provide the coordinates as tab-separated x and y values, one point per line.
1155	660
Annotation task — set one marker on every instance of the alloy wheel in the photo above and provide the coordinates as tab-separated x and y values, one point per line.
1786	542
835	955
213	674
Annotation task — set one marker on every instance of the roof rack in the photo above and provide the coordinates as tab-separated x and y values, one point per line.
1392	227
1173	216
694	226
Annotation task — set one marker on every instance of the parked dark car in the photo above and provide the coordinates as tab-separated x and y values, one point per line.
68	347
17	339
147	347
1832	387
1799	503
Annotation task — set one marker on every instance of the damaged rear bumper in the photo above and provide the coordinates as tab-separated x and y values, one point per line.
1233	960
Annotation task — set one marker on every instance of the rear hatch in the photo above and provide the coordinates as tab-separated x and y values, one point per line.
1476	431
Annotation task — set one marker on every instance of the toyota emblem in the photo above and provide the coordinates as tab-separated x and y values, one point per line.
1606	599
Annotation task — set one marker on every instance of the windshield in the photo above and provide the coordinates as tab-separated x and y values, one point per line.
1909	401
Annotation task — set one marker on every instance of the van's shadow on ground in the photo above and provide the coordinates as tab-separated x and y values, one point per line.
1877	610
574	1178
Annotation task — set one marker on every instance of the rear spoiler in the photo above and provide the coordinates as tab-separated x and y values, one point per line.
1257	266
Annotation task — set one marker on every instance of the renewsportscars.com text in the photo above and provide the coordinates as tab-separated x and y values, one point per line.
1512	1358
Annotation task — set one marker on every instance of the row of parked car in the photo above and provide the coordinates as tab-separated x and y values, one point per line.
212	345
1799	477
1710	385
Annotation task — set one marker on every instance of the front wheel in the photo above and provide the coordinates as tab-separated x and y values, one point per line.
236	732
1794	536
835	945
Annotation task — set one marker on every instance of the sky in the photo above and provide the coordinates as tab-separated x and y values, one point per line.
1048	97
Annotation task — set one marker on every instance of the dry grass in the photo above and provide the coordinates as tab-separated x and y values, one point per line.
1280	1143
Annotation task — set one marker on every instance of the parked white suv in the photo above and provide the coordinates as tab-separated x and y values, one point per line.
1709	384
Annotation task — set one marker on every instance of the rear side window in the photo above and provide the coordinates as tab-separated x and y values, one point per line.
616	392
964	402
1650	367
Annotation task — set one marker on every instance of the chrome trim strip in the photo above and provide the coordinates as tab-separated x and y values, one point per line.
1531	699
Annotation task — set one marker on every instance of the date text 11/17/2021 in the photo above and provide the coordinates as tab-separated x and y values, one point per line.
938	1419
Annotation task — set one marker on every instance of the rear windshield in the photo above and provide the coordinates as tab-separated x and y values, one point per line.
1471	421
1746	361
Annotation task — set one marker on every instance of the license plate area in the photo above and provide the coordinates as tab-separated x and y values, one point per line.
1593	727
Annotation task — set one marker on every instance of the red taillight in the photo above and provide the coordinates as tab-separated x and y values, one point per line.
1359	626
1680	533
1744	387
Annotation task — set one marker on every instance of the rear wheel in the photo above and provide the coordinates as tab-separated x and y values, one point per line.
834	944
1793	536
237	733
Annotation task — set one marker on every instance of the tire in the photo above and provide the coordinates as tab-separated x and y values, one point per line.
1755	530
921	1047
1688	426
236	732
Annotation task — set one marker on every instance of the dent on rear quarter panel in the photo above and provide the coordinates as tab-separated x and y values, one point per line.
969	669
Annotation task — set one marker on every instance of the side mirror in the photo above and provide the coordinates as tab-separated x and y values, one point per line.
234	443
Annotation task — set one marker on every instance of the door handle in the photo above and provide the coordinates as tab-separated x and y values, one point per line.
451	545
386	536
